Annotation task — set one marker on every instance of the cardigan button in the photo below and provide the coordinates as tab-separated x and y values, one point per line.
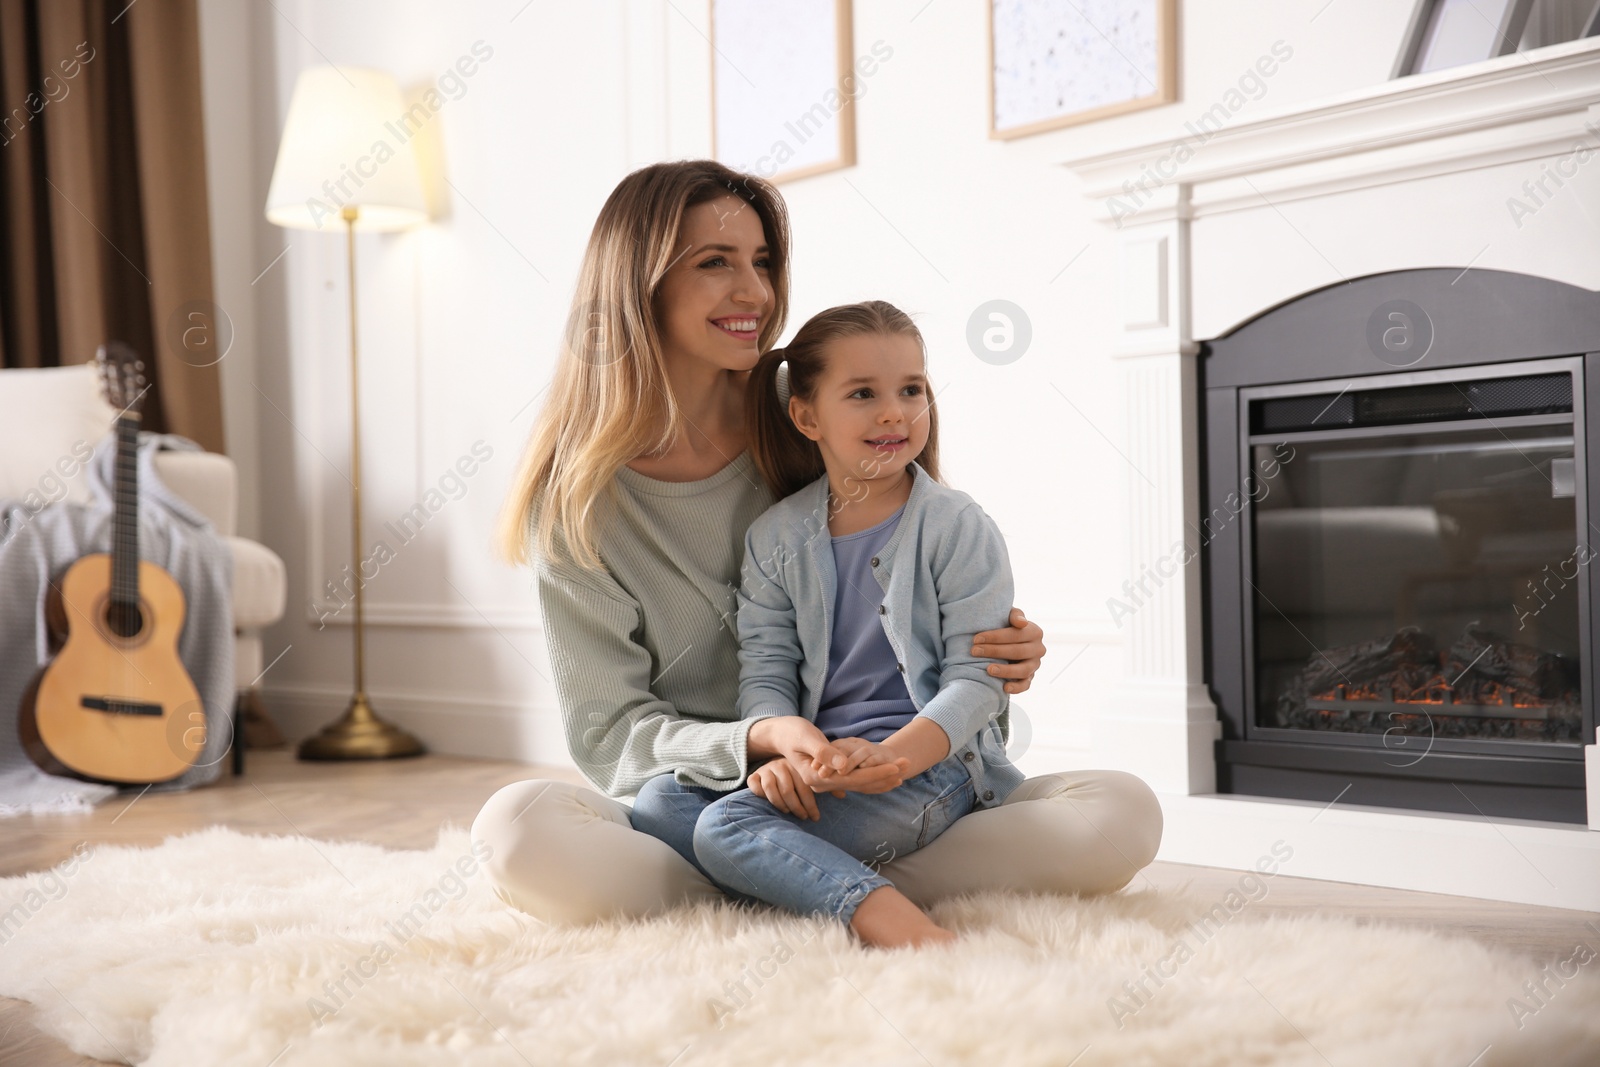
988	794
968	757
901	667
874	561
882	610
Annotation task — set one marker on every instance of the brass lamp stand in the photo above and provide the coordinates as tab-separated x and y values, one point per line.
360	734
334	115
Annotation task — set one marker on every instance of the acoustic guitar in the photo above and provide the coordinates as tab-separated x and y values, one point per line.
114	703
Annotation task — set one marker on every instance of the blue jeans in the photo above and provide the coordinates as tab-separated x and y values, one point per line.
667	810
754	851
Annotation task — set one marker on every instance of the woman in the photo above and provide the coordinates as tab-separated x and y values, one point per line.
631	504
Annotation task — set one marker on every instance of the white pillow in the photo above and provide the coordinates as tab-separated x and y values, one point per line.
51	420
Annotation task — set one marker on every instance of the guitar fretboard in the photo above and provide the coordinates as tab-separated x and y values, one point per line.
125	520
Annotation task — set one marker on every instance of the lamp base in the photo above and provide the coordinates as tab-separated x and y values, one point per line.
360	735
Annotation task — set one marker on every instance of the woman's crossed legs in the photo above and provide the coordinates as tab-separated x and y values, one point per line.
568	854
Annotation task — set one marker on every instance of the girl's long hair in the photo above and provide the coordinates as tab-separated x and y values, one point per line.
788	459
610	399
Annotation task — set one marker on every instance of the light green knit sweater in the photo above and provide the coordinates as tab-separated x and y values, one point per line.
646	654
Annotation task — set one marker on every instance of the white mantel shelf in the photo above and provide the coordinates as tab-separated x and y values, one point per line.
1194	196
1519	106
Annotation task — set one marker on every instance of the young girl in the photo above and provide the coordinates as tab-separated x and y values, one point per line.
861	590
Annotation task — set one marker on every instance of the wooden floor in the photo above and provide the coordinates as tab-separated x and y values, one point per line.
402	803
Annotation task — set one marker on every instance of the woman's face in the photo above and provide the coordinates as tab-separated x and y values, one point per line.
869	415
717	294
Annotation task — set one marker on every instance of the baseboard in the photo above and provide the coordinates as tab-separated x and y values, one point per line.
1554	865
471	727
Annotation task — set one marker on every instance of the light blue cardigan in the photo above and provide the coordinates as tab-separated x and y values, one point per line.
945	576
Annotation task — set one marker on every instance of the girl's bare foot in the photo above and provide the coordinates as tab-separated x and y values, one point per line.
887	918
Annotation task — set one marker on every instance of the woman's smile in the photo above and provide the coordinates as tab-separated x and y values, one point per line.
744	327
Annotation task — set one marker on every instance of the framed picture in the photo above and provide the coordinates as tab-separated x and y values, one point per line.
1449	33
1054	64
783	86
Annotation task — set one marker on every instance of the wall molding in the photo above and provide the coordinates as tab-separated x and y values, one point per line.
424	615
1078	629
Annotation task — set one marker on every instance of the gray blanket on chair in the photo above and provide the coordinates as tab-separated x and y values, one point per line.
37	546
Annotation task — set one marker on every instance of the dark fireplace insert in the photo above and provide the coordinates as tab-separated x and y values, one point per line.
1397	550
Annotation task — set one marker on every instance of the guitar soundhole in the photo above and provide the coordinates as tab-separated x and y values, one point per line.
125	620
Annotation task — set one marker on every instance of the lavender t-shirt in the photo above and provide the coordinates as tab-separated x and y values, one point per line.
865	694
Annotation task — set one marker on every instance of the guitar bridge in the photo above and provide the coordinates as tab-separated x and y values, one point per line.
120	707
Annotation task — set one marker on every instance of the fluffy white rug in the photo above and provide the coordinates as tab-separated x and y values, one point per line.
218	948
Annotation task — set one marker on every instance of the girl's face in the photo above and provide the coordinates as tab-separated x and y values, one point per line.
870	412
714	298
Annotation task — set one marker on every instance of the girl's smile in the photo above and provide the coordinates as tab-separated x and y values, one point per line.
869	416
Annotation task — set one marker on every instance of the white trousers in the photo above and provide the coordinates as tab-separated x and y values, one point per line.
569	855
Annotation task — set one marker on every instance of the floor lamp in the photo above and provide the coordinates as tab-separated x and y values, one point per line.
346	160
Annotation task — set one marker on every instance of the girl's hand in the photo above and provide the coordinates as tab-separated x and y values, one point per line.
869	768
781	786
807	748
1022	643
858	752
790	783
800	742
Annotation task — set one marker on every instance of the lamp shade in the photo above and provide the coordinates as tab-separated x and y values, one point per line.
347	143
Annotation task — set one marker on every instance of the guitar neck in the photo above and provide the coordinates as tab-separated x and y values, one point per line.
125	519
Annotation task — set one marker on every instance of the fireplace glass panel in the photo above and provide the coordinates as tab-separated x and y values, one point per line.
1420	584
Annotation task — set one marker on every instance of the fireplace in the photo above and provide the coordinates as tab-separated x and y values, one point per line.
1284	252
1398	554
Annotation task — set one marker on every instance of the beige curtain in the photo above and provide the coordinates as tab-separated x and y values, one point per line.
104	227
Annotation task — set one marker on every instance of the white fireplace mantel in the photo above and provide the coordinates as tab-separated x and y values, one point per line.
1520	106
1394	138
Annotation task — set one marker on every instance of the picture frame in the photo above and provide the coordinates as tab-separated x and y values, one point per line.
1451	33
784	83
1121	56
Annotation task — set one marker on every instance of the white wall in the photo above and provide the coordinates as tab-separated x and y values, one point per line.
458	319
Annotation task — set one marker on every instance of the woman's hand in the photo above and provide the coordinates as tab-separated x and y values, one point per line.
1022	643
782	735
780	784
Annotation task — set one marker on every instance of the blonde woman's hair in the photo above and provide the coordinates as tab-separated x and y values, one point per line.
610	399
787	459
